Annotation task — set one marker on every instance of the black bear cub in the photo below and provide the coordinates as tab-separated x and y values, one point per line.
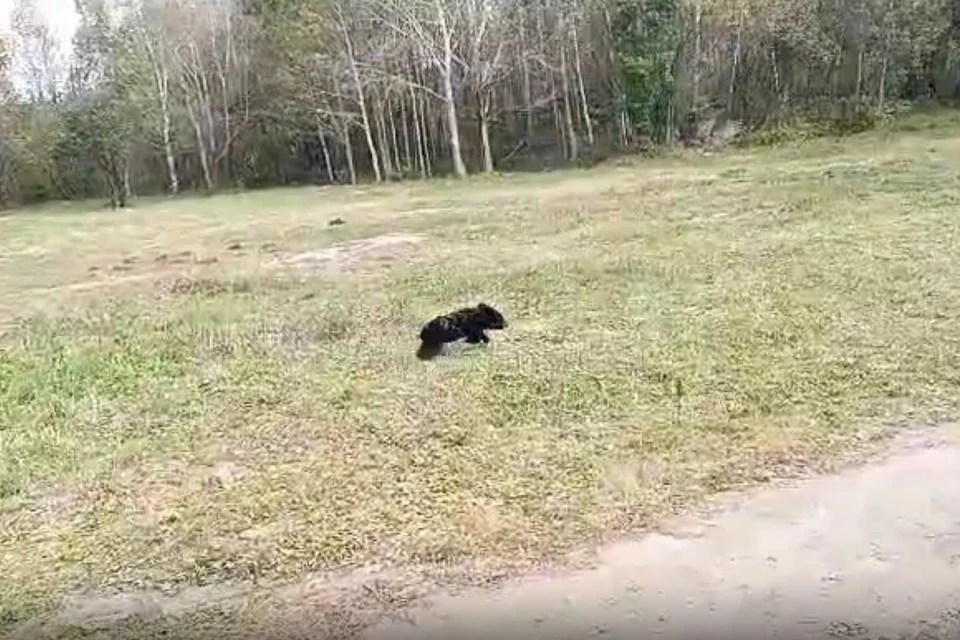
470	323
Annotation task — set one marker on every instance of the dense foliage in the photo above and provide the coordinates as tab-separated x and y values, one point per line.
167	95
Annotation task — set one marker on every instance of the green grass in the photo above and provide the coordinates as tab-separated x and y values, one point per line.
678	327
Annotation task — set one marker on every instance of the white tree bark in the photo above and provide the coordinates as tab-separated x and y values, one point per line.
446	74
361	98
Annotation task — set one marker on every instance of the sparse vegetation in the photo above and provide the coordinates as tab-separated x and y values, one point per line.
677	327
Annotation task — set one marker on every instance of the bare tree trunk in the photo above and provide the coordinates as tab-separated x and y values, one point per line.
429	136
438	133
225	74
776	74
418	134
557	118
367	125
446	73
348	151
326	153
835	70
197	106
623	118
361	99
227	131
525	66
558	126
202	150
881	92
203	97
671	122
453	125
204	158
347	142
407	158
697	54
584	105
859	89
420	104
382	135
109	168
736	65
161	78
483	107
391	116
168	153
567	111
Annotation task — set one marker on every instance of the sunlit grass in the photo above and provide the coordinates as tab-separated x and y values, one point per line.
676	328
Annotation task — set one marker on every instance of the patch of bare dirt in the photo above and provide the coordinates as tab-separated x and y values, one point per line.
321	606
92	612
328	605
176	272
183	285
163	262
345	255
181	257
225	474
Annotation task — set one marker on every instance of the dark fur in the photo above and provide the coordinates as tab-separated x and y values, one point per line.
470	324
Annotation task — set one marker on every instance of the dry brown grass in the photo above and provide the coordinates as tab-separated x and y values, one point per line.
678	327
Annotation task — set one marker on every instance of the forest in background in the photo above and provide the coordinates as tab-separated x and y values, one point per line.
169	96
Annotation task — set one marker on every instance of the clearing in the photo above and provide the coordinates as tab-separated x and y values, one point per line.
211	416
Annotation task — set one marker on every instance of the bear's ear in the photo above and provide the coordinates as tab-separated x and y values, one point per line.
483	306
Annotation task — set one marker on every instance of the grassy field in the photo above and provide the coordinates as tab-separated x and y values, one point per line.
223	391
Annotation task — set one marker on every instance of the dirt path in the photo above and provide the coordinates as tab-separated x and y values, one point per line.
872	552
